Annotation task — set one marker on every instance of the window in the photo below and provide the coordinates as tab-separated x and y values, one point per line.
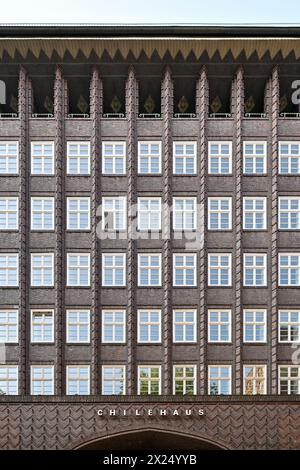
149	213
184	213
8	380
219	326
149	382
78	158
113	380
42	158
185	158
8	326
149	157
219	158
78	269
149	270
289	269
9	213
78	213
9	158
184	270
78	326
255	267
184	380
42	270
289	326
114	213
219	269
219	380
78	380
255	380
42	326
255	326
289	158
254	216
9	270
42	380
289	213
184	326
219	213
255	157
113	270
42	213
289	380
149	326
113	326
113	158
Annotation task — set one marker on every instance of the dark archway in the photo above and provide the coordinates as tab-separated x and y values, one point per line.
151	439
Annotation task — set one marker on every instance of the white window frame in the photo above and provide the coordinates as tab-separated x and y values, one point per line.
255	378
7	268
289	324
8	157
289	212
254	212
8	379
148	324
289	156
255	267
42	213
149	268
113	366
79	157
149	157
253	325
43	157
113	157
78	324
103	267
149	366
149	213
78	378
184	323
255	156
219	378
78	213
41	268
289	378
41	366
9	323
113	323
184	378
184	268
185	157
220	156
185	212
219	211
42	325
289	267
112	213
8	211
219	268
219	323
78	268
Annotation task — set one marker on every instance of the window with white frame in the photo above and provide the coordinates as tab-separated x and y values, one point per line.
149	326
114	213
219	269
255	269
184	326
219	380
113	326
289	380
149	213
8	326
289	269
78	213
184	380
78	380
42	380
9	152
254	213
42	269
42	158
42	326
149	269
78	269
289	158
289	326
184	213
9	213
114	158
78	326
9	270
219	326
255	326
149	158
289	213
78	158
184	270
42	213
184	158
113	269
149	380
219	213
113	380
255	379
9	380
255	158
219	158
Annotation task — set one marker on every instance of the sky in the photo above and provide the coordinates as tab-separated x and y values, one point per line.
150	11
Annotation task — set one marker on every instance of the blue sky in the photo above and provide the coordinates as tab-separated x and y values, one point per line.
150	11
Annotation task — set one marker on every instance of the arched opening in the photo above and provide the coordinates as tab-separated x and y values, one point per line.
151	439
